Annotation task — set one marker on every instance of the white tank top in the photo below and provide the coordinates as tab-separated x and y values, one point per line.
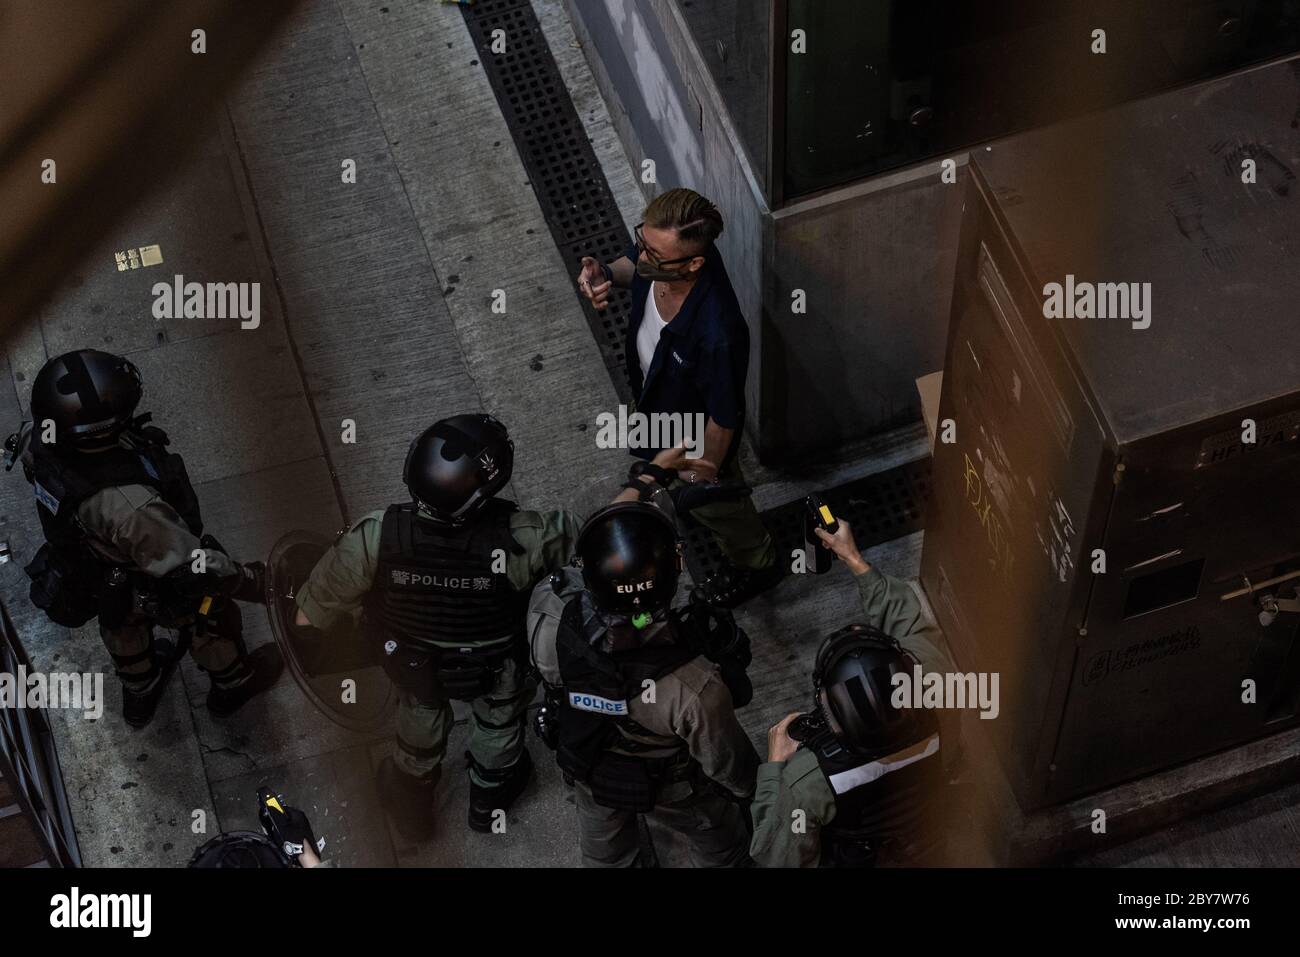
647	334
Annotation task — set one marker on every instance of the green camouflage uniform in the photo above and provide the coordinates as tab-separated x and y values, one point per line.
131	523
691	707
799	784
345	574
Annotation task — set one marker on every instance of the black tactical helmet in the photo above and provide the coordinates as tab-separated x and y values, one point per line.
88	394
457	464
630	558
852	684
240	849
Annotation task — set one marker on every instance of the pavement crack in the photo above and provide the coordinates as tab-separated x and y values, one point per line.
224	749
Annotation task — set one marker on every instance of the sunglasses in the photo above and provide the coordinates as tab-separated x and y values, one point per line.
655	260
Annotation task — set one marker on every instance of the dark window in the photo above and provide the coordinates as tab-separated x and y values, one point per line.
884	83
1169	586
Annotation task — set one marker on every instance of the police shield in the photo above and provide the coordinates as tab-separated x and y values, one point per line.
338	670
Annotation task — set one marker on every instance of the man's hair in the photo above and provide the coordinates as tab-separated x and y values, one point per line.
696	220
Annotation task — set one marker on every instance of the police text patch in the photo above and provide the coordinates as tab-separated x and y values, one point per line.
591	702
408	578
45	498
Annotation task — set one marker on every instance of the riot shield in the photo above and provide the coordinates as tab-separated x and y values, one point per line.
338	670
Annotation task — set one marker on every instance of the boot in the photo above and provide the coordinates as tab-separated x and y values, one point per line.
484	801
261	670
408	800
140	703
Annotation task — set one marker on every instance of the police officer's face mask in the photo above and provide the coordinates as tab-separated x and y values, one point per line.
629	630
639	620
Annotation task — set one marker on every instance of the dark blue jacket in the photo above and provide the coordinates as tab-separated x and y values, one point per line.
702	358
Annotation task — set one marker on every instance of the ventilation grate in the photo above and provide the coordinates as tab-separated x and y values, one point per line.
879	507
562	167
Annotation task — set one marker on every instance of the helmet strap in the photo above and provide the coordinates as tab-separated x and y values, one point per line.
432	515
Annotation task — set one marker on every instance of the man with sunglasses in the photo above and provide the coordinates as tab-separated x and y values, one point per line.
687	353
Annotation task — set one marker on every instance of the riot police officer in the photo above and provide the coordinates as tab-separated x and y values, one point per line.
858	782
862	787
443	582
125	542
646	721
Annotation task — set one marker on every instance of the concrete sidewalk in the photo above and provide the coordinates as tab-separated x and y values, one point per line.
375	308
375	304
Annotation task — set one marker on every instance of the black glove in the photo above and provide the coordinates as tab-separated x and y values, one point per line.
205	596
251	584
209	592
640	467
696	494
286	826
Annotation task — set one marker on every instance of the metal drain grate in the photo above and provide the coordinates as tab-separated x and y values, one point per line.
879	507
561	165
584	221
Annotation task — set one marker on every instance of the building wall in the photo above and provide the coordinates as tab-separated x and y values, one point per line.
876	265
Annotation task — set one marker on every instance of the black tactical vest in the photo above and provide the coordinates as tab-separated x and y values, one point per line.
62	480
434	586
877	809
598	687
